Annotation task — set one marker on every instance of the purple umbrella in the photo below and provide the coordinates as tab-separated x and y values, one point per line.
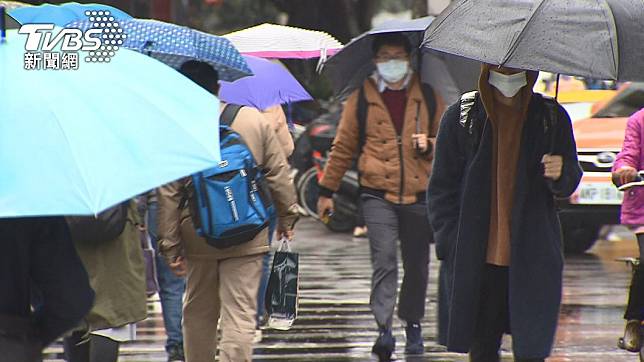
272	84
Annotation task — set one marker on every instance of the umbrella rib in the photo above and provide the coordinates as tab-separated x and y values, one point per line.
444	17
88	203
518	39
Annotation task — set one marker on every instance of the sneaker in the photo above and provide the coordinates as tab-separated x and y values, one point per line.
384	346
414	344
175	353
258	336
631	340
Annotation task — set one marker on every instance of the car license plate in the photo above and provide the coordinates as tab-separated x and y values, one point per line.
599	193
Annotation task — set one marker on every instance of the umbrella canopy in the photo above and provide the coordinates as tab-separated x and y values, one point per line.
76	142
450	75
271	84
174	45
63	14
282	42
601	39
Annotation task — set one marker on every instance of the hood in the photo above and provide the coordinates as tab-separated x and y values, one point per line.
495	109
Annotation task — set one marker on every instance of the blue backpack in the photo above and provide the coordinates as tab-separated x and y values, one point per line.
231	203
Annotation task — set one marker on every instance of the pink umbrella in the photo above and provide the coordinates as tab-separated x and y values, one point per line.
282	42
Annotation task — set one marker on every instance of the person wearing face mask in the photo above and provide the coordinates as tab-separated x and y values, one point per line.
390	123
503	154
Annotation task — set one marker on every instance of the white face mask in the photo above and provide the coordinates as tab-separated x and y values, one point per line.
393	70
508	84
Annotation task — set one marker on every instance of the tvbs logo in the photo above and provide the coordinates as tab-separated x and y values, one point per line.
41	38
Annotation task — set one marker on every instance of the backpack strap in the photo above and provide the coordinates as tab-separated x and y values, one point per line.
229	114
467	103
430	102
361	115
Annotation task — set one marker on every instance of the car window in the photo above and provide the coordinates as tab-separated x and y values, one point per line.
625	103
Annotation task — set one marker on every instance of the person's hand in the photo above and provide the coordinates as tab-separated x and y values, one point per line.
178	266
626	174
325	206
285	234
553	166
421	142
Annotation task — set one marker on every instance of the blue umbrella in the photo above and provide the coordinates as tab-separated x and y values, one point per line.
75	142
271	84
174	45
63	14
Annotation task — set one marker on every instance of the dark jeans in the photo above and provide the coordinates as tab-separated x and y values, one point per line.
171	288
494	317
39	252
387	223
635	307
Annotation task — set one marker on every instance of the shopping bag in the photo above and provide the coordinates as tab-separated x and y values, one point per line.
282	291
149	255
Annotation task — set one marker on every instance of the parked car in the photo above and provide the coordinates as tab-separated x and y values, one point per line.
596	202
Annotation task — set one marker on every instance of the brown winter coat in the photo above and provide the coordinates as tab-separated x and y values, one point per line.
275	116
177	234
387	163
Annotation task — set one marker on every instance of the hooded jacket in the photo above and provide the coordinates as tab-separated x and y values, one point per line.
507	126
632	155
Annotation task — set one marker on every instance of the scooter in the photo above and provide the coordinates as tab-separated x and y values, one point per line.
312	150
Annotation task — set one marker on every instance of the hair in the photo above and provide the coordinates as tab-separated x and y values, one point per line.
201	73
391	39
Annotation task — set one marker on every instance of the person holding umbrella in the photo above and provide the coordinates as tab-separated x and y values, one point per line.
502	155
627	168
389	123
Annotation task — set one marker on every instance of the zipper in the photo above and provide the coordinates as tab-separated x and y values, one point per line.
402	168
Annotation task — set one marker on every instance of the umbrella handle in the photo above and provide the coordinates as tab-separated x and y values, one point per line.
553	133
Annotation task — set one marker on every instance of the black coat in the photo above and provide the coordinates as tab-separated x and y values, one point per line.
459	210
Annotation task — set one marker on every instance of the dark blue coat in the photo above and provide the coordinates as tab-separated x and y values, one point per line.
459	210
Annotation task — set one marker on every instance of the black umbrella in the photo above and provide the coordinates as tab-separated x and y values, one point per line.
601	39
448	74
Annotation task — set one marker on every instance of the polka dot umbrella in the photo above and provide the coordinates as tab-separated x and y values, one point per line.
172	44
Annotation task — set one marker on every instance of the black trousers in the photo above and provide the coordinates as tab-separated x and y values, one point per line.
494	316
38	253
96	349
635	307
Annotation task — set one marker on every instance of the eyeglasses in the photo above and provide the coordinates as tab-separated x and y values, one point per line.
386	58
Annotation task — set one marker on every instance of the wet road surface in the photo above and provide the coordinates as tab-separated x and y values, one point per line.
335	323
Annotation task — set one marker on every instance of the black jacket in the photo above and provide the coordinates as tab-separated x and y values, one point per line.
459	211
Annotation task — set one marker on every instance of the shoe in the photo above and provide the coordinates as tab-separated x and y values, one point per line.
175	353
384	346
414	344
258	336
631	340
360	232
